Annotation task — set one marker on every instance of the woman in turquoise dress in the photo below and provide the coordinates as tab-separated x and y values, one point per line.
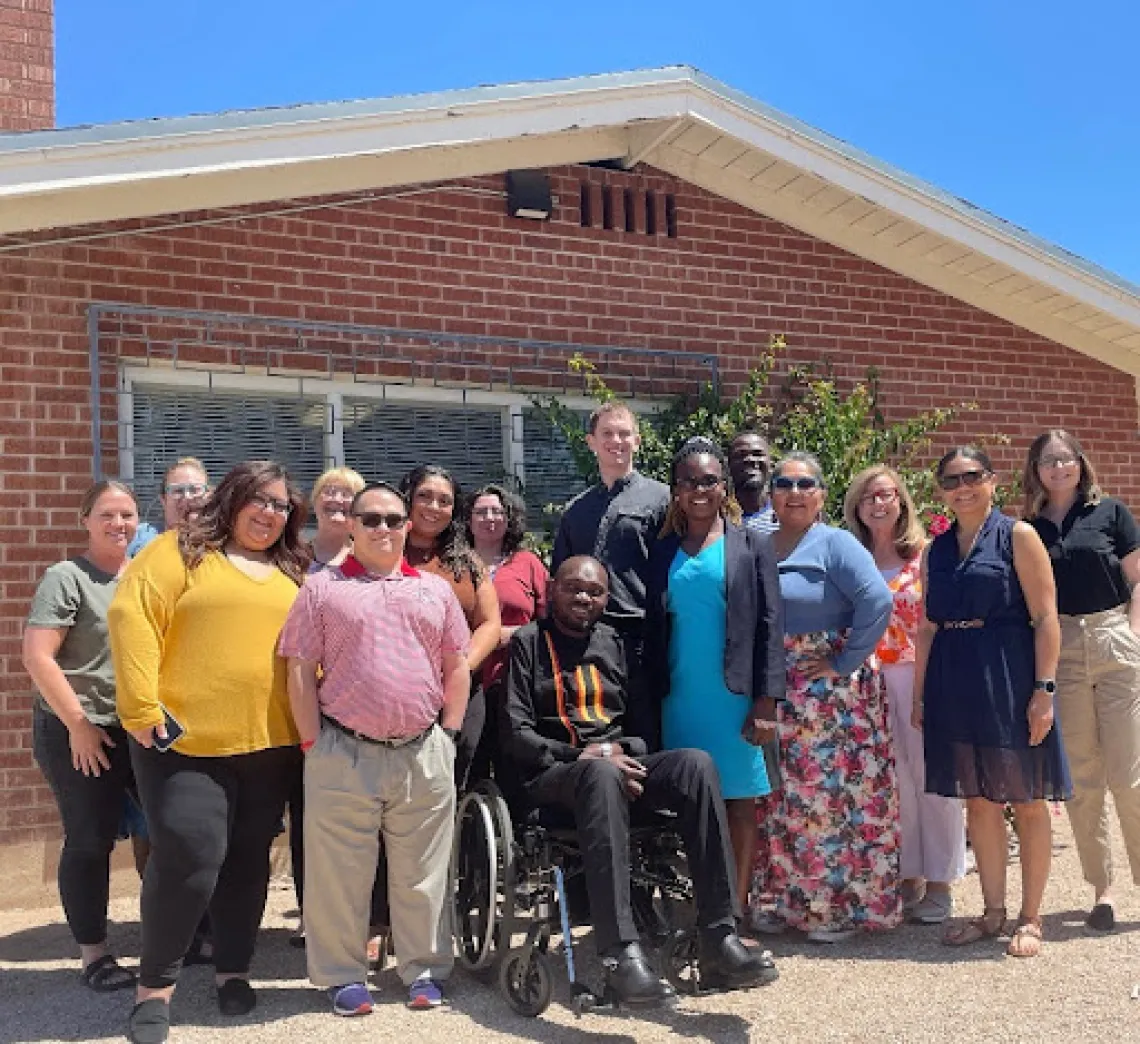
713	601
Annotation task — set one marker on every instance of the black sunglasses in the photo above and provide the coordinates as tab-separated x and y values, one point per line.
963	478
803	484
703	482
376	519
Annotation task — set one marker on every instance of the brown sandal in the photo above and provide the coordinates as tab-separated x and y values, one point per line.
1027	937
988	926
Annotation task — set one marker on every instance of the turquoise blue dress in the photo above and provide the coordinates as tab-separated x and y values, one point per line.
700	711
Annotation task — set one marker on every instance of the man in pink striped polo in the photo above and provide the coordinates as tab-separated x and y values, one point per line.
378	680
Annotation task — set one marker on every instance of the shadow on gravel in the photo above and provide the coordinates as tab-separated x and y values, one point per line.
53	942
1066	925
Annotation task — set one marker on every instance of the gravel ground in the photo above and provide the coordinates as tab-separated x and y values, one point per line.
900	987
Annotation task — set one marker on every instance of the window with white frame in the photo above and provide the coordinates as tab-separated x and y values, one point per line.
381	431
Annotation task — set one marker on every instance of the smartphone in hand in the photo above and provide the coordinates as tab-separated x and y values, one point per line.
174	732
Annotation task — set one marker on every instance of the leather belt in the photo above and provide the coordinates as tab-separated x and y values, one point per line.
395	741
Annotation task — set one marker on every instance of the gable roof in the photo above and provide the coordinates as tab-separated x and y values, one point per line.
676	119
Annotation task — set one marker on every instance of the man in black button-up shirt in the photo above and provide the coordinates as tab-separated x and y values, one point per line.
616	520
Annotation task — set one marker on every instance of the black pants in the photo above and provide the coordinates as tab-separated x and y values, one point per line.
379	915
211	821
470	735
683	781
90	807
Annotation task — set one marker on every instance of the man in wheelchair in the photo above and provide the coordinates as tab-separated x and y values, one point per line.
570	730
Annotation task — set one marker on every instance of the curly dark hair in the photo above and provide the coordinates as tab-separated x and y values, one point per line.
451	544
214	526
694	447
515	508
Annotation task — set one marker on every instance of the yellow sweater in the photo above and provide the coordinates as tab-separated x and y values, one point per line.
203	643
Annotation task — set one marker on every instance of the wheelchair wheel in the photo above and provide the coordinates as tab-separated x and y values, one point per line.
474	882
508	864
680	962
526	983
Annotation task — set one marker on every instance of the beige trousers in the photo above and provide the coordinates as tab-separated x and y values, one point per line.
1098	704
353	791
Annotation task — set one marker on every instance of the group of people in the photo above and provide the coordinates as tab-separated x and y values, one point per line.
815	703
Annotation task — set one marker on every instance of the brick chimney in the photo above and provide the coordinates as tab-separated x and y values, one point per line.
27	65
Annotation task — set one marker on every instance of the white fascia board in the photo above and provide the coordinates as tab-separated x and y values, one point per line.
51	169
877	186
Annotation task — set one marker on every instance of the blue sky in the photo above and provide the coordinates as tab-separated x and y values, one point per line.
1029	108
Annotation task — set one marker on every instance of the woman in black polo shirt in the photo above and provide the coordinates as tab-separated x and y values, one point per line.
1094	543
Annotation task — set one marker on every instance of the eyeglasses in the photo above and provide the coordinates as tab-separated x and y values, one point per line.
336	493
186	490
1056	462
880	496
278	507
488	512
705	482
804	484
963	478
376	519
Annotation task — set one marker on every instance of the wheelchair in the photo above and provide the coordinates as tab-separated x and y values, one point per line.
510	880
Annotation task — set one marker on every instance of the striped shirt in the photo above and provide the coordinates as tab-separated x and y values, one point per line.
380	642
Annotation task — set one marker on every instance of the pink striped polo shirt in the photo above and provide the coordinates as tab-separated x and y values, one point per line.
380	642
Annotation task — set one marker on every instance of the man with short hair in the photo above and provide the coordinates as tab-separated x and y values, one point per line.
565	730
750	464
378	681
616	520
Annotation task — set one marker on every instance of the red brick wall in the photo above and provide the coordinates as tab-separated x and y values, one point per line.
450	260
27	67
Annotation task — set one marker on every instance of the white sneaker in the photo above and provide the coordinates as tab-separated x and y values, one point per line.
767	923
830	935
935	908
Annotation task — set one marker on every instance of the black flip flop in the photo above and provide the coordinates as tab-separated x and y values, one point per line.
106	975
1102	919
149	1022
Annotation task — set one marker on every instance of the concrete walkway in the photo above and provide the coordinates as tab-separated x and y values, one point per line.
899	987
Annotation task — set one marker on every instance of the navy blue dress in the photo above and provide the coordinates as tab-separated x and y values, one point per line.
979	679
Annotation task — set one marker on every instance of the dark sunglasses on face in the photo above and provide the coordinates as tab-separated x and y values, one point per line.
278	507
804	484
186	490
376	519
704	482
963	478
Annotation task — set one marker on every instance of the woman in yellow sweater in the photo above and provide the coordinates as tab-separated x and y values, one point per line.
194	628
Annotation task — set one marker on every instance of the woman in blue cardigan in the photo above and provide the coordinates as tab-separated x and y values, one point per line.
713	600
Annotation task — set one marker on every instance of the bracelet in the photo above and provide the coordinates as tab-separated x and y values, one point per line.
307	745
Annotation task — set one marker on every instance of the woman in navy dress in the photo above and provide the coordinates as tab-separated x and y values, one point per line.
986	659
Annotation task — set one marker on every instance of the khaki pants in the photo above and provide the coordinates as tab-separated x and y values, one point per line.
353	791
1098	704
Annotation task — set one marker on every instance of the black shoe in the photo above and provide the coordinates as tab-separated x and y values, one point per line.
631	981
236	997
1102	920
149	1022
727	964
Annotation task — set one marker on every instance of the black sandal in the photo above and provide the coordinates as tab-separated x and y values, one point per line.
149	1022
106	975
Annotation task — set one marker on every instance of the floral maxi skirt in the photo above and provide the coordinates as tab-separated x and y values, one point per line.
834	835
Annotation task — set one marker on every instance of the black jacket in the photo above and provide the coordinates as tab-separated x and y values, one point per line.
754	635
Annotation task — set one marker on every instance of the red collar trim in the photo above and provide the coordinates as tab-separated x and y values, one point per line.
352	568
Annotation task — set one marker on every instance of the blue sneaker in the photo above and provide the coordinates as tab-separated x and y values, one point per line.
351	999
424	993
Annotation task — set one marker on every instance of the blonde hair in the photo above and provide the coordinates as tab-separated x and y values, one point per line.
908	536
1035	494
185	462
353	479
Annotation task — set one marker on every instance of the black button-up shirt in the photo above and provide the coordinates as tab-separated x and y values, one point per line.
1086	552
617	525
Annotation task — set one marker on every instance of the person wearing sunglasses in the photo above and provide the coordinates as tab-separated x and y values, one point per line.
985	670
194	629
1094	546
185	487
879	510
714	639
835	836
389	643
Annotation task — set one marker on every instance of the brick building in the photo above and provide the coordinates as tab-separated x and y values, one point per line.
347	282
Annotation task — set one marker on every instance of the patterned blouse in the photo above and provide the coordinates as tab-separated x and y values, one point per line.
897	643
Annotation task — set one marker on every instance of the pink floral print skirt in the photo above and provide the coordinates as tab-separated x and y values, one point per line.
833	858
